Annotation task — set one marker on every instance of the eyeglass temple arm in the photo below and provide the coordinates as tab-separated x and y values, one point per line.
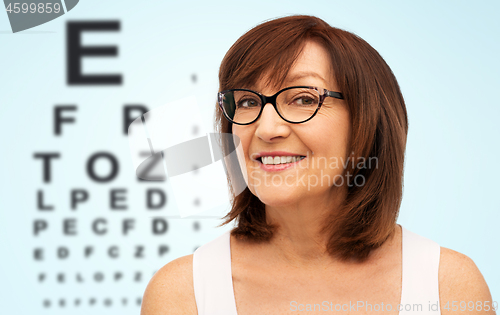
334	94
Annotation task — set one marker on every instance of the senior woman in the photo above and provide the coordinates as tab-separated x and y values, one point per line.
322	124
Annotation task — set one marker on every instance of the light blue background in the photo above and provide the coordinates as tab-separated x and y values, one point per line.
445	56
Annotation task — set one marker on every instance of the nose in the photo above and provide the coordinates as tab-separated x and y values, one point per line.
270	126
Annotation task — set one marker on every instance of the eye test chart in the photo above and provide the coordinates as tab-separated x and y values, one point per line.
81	232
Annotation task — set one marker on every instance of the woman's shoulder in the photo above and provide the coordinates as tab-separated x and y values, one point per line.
170	290
461	280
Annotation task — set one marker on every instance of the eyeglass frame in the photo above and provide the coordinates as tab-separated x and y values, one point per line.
272	100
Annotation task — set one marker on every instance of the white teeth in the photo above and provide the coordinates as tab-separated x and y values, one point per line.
280	159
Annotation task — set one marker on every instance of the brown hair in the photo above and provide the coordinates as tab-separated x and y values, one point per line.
379	121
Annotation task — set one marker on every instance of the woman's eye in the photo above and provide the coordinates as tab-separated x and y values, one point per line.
305	100
248	103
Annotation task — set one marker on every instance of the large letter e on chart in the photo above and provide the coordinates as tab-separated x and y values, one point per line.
75	52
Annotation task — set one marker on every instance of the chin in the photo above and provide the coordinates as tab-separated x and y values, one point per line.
277	196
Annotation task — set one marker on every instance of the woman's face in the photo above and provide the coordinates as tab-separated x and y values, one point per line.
323	140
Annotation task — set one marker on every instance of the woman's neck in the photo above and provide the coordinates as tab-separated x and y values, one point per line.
298	239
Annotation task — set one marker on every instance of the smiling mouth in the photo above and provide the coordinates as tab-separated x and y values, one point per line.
276	160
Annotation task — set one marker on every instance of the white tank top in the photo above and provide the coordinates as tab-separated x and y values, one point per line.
213	284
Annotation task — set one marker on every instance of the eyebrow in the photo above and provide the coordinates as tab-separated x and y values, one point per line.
300	75
294	77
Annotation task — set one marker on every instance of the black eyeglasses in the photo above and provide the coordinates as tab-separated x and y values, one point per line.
296	104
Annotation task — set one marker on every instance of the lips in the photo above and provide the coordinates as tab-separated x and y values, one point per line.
284	159
274	154
277	160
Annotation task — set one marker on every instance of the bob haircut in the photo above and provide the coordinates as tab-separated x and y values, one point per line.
379	127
